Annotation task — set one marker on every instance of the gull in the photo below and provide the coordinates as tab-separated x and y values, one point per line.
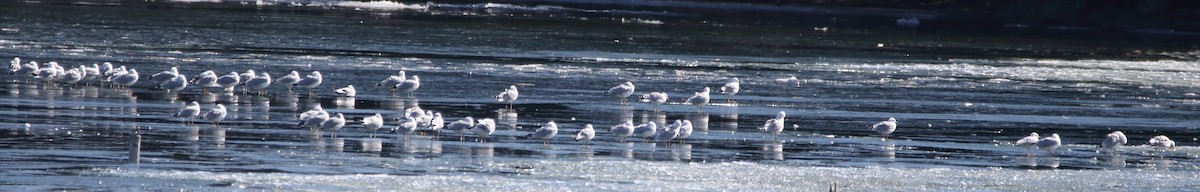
14	65
622	130
461	126
175	84
391	82
622	91
775	125
191	110
124	79
249	74
313	118
406	128
586	134
165	75
1029	142
1049	143
409	85
48	73
732	87
547	132
373	123
1161	142
1114	140
229	81
415	113
347	91
508	95
655	99
685	130
309	82
215	115
91	73
334	123
258	84
885	127
436	123
70	77
205	80
699	99
27	69
645	130
483	128
288	80
666	134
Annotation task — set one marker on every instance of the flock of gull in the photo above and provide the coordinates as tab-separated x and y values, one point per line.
317	119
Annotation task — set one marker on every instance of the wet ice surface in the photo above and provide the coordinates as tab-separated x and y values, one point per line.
958	117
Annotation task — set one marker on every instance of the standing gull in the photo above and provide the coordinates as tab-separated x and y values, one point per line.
666	134
731	88
484	128
313	118
407	127
373	123
622	91
165	75
205	80
215	115
685	131
655	99
885	127
309	82
547	132
699	99
391	82
508	95
191	110
645	130
175	84
1029	142
1049	143
436	123
774	126
1114	140
125	79
334	123
229	81
243	77
288	80
586	134
622	130
409	85
461	126
258	84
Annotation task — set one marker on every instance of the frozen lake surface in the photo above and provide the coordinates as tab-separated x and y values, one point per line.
962	100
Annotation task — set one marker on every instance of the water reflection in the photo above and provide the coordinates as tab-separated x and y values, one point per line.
1050	162
772	150
483	153
1113	160
507	118
372	145
888	150
216	136
288	101
393	104
731	116
699	122
190	133
657	118
344	102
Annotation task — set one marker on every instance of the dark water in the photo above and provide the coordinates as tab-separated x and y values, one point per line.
962	99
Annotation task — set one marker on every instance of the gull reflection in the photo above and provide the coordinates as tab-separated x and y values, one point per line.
344	102
190	133
699	122
394	104
1028	161
732	116
772	150
1114	160
289	101
483	153
372	145
887	151
217	135
507	118
682	151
